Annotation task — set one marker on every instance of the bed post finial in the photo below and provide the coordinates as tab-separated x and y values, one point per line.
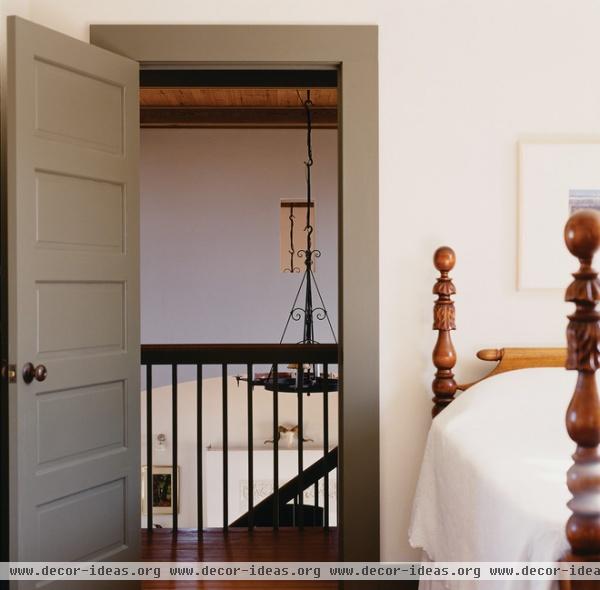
582	236
444	355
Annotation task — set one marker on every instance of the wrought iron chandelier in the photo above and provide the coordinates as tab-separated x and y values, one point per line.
305	307
308	312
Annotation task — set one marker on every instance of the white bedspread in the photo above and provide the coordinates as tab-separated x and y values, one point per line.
493	480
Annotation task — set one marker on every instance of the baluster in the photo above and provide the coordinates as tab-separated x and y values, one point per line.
149	489
225	453
275	446
582	236
199	448
299	387
175	483
326	446
249	370
295	512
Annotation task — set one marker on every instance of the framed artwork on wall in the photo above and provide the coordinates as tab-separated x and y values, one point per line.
162	489
556	178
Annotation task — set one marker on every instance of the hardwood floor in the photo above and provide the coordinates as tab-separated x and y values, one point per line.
311	544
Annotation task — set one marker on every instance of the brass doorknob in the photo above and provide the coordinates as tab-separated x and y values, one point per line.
30	373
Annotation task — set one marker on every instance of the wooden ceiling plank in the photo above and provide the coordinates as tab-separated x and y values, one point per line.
236	97
214	117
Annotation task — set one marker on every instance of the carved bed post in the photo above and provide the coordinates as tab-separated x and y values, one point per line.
444	355
582	236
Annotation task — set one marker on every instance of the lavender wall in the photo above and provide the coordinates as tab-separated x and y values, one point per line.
210	232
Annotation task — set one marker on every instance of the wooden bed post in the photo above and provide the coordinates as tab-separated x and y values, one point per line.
582	236
444	355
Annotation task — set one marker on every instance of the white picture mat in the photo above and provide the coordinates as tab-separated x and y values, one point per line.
547	172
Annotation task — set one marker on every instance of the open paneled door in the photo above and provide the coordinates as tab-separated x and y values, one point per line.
73	298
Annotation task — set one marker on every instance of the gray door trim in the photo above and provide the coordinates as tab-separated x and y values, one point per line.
354	50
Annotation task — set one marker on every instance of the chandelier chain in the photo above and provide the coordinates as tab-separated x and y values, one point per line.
308	163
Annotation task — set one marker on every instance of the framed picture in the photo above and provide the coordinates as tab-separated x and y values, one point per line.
162	489
556	178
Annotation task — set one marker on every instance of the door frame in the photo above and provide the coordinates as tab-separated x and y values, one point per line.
4	410
353	50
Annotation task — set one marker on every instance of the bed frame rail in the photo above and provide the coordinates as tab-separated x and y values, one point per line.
512	359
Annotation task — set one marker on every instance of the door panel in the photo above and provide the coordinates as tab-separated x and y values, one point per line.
64	98
73	266
95	220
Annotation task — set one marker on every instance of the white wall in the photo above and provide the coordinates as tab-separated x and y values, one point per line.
460	82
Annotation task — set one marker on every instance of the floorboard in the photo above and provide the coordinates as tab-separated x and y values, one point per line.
310	544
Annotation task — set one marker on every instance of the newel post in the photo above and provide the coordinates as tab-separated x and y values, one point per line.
582	236
444	355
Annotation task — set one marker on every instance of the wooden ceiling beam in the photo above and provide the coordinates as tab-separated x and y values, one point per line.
198	78
267	118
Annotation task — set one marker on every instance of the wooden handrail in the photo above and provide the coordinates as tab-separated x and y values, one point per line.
192	354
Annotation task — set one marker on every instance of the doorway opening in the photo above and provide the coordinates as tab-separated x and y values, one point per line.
222	193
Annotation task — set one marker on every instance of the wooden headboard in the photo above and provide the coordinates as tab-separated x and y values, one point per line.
582	354
444	355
